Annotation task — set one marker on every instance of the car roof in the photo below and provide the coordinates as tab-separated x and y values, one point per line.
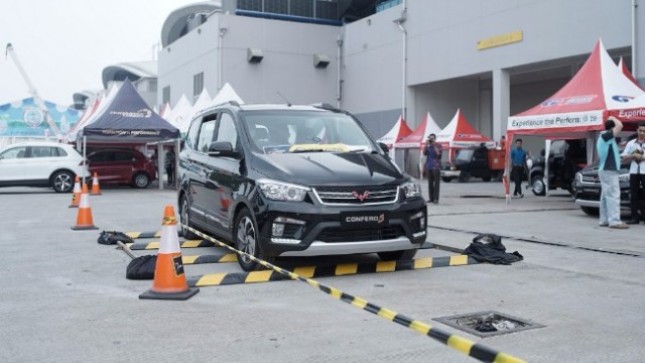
38	143
263	107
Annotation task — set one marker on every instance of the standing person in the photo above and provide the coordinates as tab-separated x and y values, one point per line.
608	170
518	158
433	167
634	152
170	166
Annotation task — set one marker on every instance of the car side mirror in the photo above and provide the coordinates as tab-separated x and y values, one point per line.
384	147
222	148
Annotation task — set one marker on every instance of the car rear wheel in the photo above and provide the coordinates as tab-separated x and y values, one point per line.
184	218
397	255
62	182
141	180
246	234
590	211
537	185
446	179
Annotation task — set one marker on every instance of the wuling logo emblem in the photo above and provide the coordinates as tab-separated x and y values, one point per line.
359	196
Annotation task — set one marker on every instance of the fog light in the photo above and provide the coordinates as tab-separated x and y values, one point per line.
422	221
277	229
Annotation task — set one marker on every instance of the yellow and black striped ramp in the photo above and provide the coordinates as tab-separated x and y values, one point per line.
199	259
183	244
233	278
135	235
157	234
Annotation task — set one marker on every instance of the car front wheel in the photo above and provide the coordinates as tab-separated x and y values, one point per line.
537	185
246	234
62	182
590	211
141	180
184	218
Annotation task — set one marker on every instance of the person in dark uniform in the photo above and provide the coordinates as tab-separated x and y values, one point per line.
432	152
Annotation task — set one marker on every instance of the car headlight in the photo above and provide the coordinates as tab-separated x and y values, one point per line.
411	189
623	178
578	177
276	190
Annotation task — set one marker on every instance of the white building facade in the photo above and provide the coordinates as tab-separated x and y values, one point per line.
491	59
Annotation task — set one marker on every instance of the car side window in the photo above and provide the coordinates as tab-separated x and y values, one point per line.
206	135
123	156
226	130
191	137
59	152
43	151
100	157
15	153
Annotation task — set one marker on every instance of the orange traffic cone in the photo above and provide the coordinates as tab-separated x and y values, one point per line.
84	215
96	189
76	193
170	281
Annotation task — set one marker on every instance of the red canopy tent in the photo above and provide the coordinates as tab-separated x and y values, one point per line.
396	133
410	146
459	133
580	107
623	67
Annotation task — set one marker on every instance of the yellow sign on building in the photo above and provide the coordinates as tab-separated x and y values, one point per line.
499	40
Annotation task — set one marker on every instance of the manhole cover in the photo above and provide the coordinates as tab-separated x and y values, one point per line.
488	323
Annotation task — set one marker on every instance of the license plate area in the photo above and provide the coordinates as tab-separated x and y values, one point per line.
364	219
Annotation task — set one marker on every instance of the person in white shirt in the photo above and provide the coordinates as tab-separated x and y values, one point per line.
634	152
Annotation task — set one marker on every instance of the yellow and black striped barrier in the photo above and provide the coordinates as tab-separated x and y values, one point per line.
199	259
463	345
135	235
218	279
183	244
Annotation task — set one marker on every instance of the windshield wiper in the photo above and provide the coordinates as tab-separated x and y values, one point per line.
308	151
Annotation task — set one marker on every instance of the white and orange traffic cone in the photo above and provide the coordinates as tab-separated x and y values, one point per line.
84	216
76	193
96	189
169	282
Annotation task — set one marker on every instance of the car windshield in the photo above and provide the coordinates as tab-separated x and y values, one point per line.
305	131
465	154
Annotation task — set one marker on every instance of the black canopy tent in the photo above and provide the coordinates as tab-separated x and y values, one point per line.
127	119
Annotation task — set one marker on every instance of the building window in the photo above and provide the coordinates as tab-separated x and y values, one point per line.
165	97
152	85
198	84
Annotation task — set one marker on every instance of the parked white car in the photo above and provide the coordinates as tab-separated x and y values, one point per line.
41	164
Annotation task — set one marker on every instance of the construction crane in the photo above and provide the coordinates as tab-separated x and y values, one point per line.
32	90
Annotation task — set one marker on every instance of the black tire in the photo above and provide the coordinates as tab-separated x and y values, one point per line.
487	178
464	176
537	185
590	211
184	218
140	180
446	179
62	182
397	255
245	236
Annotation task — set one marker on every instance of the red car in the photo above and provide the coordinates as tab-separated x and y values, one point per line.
122	166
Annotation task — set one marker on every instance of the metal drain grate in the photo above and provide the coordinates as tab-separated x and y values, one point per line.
488	323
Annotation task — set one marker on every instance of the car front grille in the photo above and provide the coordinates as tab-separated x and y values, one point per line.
369	195
590	179
354	234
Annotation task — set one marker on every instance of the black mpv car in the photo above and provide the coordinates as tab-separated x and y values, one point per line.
282	180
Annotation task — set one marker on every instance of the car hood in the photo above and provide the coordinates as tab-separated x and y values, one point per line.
325	168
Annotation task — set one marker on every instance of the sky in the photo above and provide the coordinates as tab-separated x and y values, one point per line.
63	45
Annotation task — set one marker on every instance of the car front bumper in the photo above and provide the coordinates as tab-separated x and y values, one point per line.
315	230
